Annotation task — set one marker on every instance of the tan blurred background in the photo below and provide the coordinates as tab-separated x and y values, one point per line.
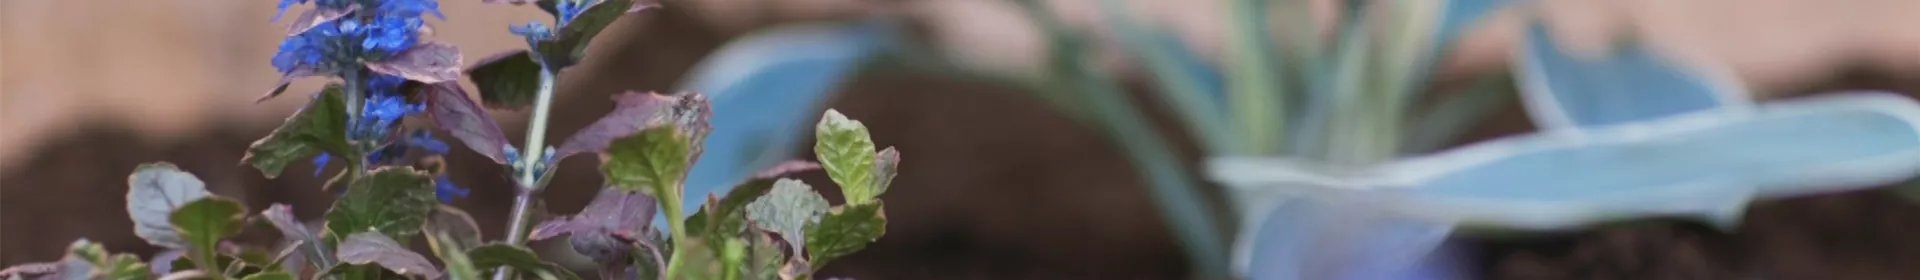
89	88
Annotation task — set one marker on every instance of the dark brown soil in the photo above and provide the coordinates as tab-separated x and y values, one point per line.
995	186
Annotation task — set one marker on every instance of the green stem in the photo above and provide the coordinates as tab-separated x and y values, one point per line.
675	226
529	184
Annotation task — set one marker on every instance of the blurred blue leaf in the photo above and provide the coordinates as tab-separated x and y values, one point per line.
1343	237
766	88
1702	165
1462	14
1632	83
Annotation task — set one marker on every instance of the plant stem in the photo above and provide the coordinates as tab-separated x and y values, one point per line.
529	161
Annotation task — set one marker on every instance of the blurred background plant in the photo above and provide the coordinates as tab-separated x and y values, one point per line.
1042	205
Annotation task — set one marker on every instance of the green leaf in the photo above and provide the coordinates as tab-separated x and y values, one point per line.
520	259
319	127
393	201
728	220
569	43
846	229
153	192
87	260
458	266
202	223
846	151
375	248
272	275
652	161
126	267
733	258
766	257
702	260
455	224
507	80
787	210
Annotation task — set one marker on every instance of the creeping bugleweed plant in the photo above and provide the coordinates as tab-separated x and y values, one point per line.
384	72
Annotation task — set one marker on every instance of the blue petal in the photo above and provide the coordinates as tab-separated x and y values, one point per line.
766	88
320	163
447	191
425	140
1633	84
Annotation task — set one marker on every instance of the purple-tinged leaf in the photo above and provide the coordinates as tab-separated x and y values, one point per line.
452	111
454	224
519	258
298	72
598	231
162	262
316	16
507	80
795	166
430	63
375	248
154	191
281	216
886	165
319	127
632	112
186	275
30	269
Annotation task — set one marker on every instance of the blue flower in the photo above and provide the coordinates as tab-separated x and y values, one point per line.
320	163
409	8
570	9
388	35
423	139
534	31
447	191
312	48
380	113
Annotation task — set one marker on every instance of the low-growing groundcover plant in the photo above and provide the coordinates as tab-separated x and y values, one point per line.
393	186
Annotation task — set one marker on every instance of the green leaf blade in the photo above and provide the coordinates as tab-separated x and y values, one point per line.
652	161
787	209
394	201
846	152
203	223
321	126
519	258
844	230
508	80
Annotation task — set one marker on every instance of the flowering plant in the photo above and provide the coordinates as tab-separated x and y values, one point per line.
385	72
